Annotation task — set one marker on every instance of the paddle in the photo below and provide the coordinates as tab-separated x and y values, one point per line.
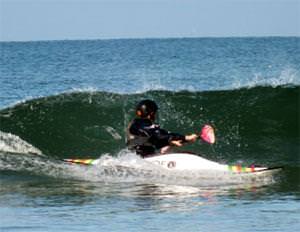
207	134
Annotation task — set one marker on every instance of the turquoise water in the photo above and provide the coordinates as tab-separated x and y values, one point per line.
74	99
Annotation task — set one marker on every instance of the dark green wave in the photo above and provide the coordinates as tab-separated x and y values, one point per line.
260	123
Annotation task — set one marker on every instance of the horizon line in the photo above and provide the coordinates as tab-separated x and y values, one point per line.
152	38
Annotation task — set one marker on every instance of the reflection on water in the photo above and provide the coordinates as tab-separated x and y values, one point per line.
24	191
41	202
60	196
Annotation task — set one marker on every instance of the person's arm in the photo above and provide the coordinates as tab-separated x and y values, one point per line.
187	138
161	138
139	128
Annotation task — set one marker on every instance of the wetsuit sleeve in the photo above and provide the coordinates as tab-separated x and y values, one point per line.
161	138
176	136
139	129
156	136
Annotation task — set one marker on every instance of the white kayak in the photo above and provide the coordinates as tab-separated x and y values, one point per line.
188	162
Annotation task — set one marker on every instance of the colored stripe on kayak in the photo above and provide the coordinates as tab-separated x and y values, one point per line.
238	168
80	161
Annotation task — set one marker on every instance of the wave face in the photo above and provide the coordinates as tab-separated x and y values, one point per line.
259	124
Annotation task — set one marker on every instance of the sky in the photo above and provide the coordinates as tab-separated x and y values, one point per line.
31	20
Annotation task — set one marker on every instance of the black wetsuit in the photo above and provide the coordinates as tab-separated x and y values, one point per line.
145	137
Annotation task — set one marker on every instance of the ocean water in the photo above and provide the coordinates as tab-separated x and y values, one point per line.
74	99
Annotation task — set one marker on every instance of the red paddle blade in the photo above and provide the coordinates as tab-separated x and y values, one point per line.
208	134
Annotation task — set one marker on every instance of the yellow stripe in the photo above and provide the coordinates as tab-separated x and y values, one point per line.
233	168
236	168
88	161
80	161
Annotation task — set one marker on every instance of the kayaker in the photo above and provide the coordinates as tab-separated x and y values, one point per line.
146	137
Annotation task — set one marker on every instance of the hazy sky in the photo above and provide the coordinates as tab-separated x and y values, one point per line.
98	19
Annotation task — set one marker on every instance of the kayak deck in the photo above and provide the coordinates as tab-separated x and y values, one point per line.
186	161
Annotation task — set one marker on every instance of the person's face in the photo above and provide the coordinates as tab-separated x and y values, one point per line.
152	116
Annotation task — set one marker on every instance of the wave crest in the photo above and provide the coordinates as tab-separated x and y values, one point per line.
13	143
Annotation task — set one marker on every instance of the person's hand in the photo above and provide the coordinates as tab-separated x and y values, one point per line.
177	143
191	138
165	149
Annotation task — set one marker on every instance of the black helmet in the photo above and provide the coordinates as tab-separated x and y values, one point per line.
146	108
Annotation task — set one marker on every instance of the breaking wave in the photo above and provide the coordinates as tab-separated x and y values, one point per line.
253	125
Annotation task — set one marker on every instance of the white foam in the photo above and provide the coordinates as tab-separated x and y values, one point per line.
82	90
287	77
113	132
13	143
